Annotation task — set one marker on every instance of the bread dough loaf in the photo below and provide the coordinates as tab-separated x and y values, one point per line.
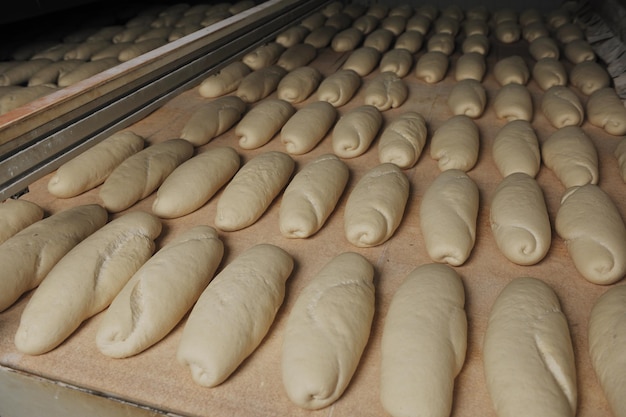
386	91
516	149
195	181
21	72
18	96
376	206
248	195
16	215
513	102
380	39
544	47
572	156
512	69
549	72
225	81
455	144
30	254
398	60
620	155
477	26
51	73
234	313
339	87
366	23
476	43
321	37
471	66
594	232
347	40
260	83
569	32
297	56
527	353
535	30
467	97
327	330
432	66
441	42
403	140
446	24
418	23
355	131
339	21
311	196
508	32
589	76
85	51
529	16
423	343
299	84
141	47
562	107
579	50
142	173
307	127
313	21
292	36
362	60
91	168
448	215
262	122
212	119
605	109
263	56
395	24
85	281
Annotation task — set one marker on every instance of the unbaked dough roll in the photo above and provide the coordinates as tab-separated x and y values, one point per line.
471	66
418	23
16	215
448	215
513	102
142	173
84	51
225	81
85	281
432	66
234	313
620	155
299	84
375	206
594	232
380	39
519	219
455	144
562	107
516	149
569	32
398	60
394	23
544	47
51	73
311	196
297	56
579	50
354	10
248	195
355	131
476	43
262	122
327	331
362	60
411	40
424	342
535	30
558	17
339	21
347	40
292	36
605	109
212	119
320	37
195	181
548	72
91	168
446	24
139	48
110	52
339	87
589	76
441	42
313	21
572	156
30	254
86	70
527	353
476	26
467	97
366	23
403	140
21	72
378	10
512	69
307	127
260	83
263	56
508	32
386	91
17	96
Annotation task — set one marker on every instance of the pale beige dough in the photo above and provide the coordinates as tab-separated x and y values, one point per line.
313	21
354	10
327	330
399	61
347	40
527	353
51	73
54	53
544	47
307	127
377	10
476	43
594	232
86	70
16	215
508	32
299	84
467	97
418	23
157	34
513	102
423	343
366	23
558	17
320	37
620	155
263	122
562	107
339	21
548	72
512	69
476	26
394	23
477	12
572	156
589	76
605	109
531	15
248	195
569	32
446	24
110	52
260	83
339	87
579	50
428	10
292	36
534	31
516	149
139	48
470	65
211	119
455	144
311	196
379	39
21	72
225	81
355	131
362	60
17	96
386	91
403	140
441	42
411	40
432	66
263	56
86	50
297	56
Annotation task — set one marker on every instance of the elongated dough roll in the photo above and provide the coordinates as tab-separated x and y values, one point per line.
394	23
579	50
606	110
594	232
544	47
234	313
516	149
362	60
138	48
21	72
527	353
562	107
195	181
260	83
573	157
142	173
366	23
513	102
470	65
311	196
380	39
476	26
327	331
398	60
441	42
307	127
339	87
403	140
292	36
355	131
589	76
535	30
17	96
91	168
375	206
299	84
548	72
297	56
423	343
455	144
16	215
28	256
448	215
263	56
410	40
620	155
320	37
313	21
51	73
468	97
512	69
212	119
339	21
476	43
86	70
252	189
262	122
225	81
95	270
386	91
432	66
347	40
507	32
447	25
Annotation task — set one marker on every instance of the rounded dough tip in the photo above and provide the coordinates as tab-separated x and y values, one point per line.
202	377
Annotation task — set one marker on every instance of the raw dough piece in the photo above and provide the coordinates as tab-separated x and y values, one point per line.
252	189
448	215
508	32
572	156
234	313
403	140
594	232
606	110
142	173
311	196
297	56
441	42
262	122
589	76
260	83
519	219
110	52
307	127
418	23
529	16
91	168
620	155
378	10
355	131
453	11
544	47
424	342
569	32
130	34
562	107
159	34
292	36
321	37
225	81
516	149
428	10
468	97
354	10
313	21
339	21
478	12
411	40
263	56
395	24
299	84
85	281
558	17
513	102
16	215
548	72
512	69
51	73
446	24
366	24
347	40
212	119
455	144
579	50
534	31
471	66
30	254
327	331
362	61
475	27
86	70
339	87
376	206
386	91
398	61
432	66
379	39
86	50
18	96
527	353
139	48
21	72
476	43
195	181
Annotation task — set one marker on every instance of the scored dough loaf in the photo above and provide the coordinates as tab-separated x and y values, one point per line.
605	109
467	97
16	215
403	140
297	56
424	342
17	96
262	122
85	281
398	60
562	107
470	65
362	60
455	144
432	66
339	87
512	69
299	84
225	81
572	156
379	39
516	149
327	330
212	119
620	155
347	40
386	91
339	21
589	76
234	313
475	26
260	83
527	353
355	131
448	215
594	232
375	206
263	56
411	40
548	72
311	196
513	102
292	36
307	127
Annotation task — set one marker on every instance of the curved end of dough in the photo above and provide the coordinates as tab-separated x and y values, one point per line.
298	225
203	377
520	245
402	156
372	233
112	343
596	263
34	340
